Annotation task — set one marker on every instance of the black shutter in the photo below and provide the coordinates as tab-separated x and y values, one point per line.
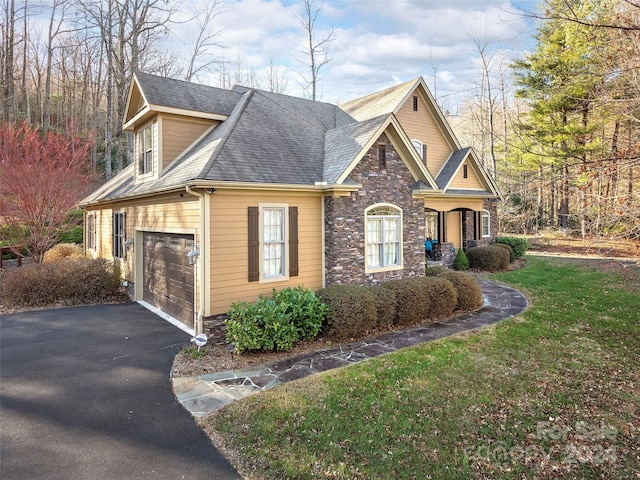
293	241
254	245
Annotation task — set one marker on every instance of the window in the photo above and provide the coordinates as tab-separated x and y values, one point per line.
384	237
91	231
486	230
465	171
273	242
145	150
431	225
415	103
382	155
119	231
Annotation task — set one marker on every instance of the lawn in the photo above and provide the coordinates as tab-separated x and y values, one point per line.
553	393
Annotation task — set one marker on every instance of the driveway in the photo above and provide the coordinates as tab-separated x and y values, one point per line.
85	394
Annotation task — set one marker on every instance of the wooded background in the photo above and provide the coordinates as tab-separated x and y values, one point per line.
558	128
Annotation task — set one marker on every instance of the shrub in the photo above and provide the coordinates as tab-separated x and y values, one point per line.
437	270
442	295
519	245
489	258
512	256
306	309
63	251
276	322
385	300
352	311
461	262
468	289
75	235
412	301
70	282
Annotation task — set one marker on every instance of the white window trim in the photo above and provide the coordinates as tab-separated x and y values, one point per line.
123	248
285	253
138	154
384	268
417	146
92	233
487	215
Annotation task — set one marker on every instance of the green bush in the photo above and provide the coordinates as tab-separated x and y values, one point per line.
75	235
352	312
512	256
519	245
461	262
276	322
71	282
489	258
468	289
307	310
385	299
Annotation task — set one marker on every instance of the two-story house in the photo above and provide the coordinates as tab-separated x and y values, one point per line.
236	192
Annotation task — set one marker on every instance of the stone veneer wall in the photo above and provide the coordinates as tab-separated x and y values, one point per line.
345	240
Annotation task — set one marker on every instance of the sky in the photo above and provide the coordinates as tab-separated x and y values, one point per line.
377	43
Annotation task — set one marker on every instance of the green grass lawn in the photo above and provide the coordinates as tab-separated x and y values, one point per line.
553	393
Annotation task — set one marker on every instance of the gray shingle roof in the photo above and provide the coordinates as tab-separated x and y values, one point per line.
450	167
169	92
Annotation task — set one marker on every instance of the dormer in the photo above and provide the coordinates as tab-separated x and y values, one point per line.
166	116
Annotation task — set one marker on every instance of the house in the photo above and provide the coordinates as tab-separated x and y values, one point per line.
237	192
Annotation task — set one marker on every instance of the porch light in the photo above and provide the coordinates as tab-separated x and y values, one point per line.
193	255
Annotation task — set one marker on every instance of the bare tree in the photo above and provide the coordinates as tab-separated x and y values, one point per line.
275	76
316	48
205	41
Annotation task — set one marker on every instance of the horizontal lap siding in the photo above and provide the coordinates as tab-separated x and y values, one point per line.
178	133
471	182
446	204
229	247
421	126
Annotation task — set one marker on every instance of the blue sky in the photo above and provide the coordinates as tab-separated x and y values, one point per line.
378	43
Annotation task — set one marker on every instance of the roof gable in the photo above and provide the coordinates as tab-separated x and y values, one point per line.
453	168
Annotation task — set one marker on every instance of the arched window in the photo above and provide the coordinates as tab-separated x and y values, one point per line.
421	149
384	237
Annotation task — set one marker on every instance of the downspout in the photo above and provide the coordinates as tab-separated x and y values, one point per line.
199	321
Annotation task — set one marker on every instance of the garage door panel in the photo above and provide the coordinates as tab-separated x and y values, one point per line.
168	281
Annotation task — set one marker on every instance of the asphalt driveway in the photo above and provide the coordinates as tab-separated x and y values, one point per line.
85	394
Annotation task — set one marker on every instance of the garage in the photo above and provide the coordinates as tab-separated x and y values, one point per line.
168	282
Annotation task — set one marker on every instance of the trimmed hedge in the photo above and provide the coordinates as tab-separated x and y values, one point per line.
519	245
469	292
70	282
413	300
435	271
386	307
443	297
489	258
512	256
352	312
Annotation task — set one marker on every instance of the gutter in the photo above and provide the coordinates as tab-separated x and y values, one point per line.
199	327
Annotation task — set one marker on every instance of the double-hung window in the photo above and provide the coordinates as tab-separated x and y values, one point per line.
273	242
486	230
145	150
384	237
119	231
91	231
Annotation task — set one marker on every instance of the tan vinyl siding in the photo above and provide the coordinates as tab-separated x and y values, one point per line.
422	126
229	246
169	213
453	228
471	182
178	133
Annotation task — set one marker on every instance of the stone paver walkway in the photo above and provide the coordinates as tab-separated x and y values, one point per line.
204	394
